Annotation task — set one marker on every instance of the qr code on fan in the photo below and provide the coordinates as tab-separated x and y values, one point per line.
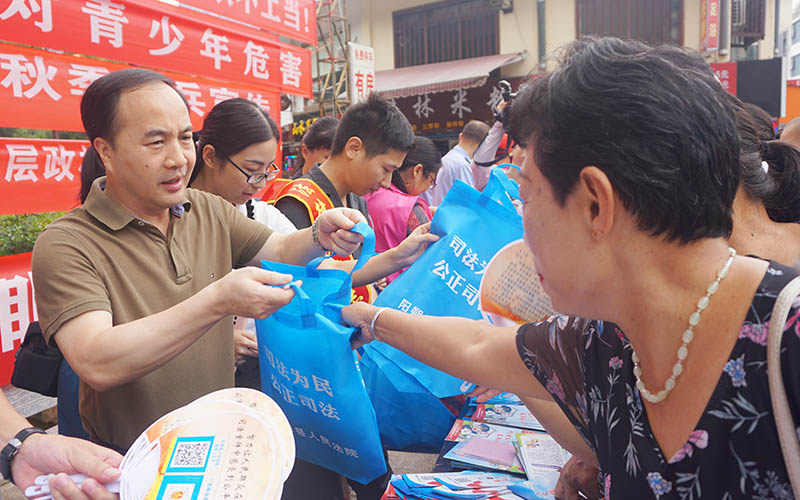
190	454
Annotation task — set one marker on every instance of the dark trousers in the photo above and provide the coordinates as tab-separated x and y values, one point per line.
69	418
312	482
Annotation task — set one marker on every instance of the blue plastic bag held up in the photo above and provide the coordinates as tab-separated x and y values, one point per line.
310	370
445	280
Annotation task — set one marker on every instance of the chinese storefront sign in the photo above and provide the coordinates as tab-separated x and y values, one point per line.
160	36
362	71
17	308
299	128
39	175
726	74
41	89
709	25
448	112
293	18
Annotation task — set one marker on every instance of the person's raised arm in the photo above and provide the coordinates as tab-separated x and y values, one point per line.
390	261
467	349
486	153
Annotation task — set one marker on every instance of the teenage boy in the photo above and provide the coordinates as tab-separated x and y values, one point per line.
371	142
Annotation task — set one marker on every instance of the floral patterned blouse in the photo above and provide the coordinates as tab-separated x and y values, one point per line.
733	452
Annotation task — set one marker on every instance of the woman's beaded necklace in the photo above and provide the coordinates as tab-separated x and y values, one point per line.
687	337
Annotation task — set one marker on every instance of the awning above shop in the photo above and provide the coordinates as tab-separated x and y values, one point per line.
441	77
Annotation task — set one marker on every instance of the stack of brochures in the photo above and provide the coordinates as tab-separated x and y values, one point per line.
498	437
230	442
469	486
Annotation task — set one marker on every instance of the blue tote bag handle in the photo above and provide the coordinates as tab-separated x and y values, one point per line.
500	188
367	251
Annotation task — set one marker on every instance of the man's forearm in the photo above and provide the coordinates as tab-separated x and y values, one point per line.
111	356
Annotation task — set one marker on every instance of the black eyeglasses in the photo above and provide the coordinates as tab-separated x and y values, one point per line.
271	173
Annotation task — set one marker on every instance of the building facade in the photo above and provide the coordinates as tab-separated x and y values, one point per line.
448	36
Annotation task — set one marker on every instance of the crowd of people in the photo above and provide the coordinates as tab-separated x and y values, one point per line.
661	212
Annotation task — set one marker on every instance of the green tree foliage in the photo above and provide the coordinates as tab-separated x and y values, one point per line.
18	233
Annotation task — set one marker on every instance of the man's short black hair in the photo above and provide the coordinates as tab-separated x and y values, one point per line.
379	125
653	119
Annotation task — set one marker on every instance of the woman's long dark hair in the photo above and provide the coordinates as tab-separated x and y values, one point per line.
230	127
99	109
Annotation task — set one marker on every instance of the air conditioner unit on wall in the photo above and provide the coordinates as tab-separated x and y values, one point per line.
738	14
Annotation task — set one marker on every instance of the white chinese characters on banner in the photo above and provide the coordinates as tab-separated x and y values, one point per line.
106	19
270	12
260	100
15	314
257	58
23	72
170	44
290	69
84	76
362	71
58	162
26	8
23	162
222	94
215	47
193	95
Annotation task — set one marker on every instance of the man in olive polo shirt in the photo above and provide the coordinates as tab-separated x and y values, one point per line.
135	286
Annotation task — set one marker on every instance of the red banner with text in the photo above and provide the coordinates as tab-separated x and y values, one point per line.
152	34
296	19
45	91
17	308
39	175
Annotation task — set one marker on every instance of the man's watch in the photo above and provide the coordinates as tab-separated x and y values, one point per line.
12	448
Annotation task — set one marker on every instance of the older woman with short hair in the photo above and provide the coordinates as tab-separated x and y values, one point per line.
631	170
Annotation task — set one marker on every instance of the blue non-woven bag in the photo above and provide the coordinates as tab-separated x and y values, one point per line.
410	418
445	280
309	368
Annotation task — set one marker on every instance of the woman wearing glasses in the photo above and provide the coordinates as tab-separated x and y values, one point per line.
236	159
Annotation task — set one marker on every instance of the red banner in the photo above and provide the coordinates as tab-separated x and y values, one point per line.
39	175
726	74
152	34
45	89
17	308
296	19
